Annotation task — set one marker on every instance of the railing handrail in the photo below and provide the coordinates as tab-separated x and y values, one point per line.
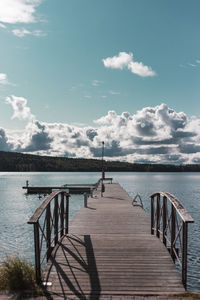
185	216
39	211
55	208
169	222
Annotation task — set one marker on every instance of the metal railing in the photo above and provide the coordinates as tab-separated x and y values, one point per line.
169	221
50	222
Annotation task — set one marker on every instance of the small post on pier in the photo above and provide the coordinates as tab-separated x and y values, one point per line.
27	183
85	199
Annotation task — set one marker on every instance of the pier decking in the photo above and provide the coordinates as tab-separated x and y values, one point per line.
109	250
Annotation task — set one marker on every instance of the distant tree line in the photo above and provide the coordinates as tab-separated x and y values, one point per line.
19	162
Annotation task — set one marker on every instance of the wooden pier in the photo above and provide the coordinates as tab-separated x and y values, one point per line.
70	188
107	249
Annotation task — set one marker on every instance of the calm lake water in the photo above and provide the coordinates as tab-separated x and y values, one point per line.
16	236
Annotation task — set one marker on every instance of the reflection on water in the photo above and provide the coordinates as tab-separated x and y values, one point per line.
16	208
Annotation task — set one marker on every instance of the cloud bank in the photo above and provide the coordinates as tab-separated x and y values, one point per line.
125	60
153	134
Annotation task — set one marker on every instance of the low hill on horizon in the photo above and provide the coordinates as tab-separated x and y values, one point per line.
20	162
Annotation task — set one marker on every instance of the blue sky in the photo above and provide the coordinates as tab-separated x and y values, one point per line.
73	62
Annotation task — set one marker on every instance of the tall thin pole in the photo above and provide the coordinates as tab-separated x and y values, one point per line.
102	176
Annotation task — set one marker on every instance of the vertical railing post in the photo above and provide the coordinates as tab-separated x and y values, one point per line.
85	199
91	192
173	231
62	215
56	219
164	219
48	231
37	252
184	253
152	215
158	216
67	214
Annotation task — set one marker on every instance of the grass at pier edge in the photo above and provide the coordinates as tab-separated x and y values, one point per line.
18	275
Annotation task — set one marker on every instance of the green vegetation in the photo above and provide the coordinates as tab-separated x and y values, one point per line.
18	162
17	275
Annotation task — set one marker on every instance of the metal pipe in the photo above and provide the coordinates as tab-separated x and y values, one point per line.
152	215
62	215
184	254
67	214
102	165
158	216
164	219
56	219
48	231
37	253
173	231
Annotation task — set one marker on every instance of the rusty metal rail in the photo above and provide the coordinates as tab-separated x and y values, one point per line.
169	221
50	222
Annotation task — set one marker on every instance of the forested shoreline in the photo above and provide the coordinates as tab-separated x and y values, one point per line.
19	162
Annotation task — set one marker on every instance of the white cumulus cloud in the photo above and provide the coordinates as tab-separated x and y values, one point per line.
139	69
125	60
20	109
18	11
120	61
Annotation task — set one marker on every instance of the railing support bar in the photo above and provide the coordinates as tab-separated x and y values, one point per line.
158	216
37	253
173	231
164	219
67	215
48	230
152	215
91	192
62	215
56	219
184	254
